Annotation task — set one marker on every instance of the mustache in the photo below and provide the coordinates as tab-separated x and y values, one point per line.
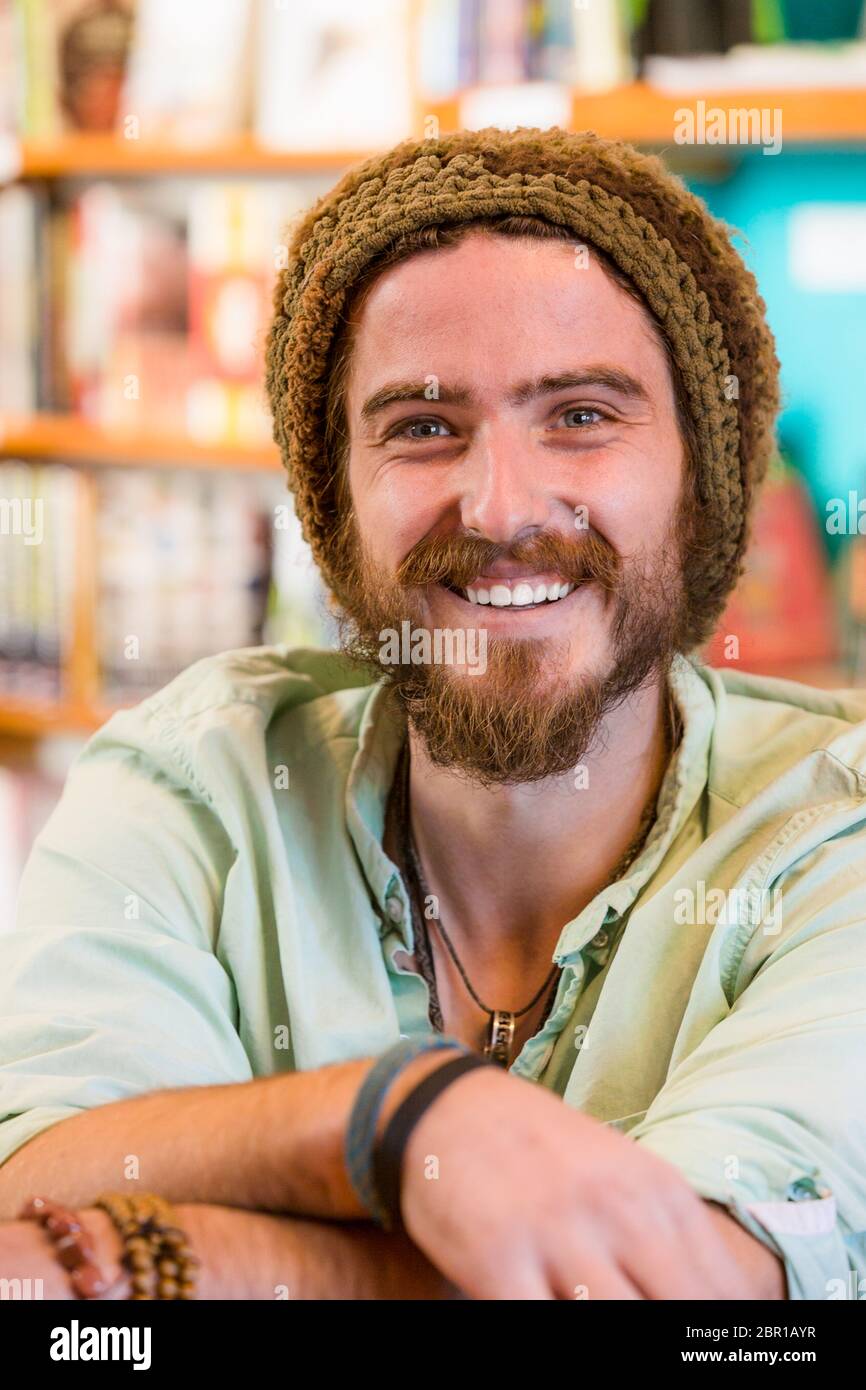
458	560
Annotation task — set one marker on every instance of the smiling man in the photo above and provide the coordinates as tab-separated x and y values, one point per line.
524	389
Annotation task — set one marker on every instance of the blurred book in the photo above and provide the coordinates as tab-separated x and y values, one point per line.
190	69
299	612
333	75
336	74
11	75
438	51
37	518
19	321
125	317
683	27
190	564
183	570
601	52
783	611
756	67
153	306
187	563
468	43
503	41
232	247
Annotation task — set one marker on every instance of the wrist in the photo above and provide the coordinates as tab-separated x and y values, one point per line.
392	1152
445	1116
406	1081
28	1254
108	1248
403	1063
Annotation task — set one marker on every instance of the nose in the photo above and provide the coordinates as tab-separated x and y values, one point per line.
501	494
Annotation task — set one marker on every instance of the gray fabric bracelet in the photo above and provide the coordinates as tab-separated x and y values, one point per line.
361	1129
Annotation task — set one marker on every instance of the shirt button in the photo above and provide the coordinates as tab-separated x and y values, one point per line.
394	908
600	939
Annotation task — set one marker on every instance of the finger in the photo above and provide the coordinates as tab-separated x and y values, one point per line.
596	1275
678	1254
518	1279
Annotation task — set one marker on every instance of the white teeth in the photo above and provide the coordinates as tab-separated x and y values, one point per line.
500	596
520	594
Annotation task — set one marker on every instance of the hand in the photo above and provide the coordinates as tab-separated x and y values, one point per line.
513	1195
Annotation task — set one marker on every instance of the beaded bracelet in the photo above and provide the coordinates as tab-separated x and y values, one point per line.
156	1252
74	1250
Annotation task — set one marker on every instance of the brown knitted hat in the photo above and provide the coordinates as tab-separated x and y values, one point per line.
611	196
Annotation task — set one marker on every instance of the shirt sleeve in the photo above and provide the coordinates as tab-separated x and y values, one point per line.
767	1114
111	983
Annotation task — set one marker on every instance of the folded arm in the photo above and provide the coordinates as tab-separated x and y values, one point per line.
246	1255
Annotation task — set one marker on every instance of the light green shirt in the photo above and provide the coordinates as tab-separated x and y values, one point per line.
210	901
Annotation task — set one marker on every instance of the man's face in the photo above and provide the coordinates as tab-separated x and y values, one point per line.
539	446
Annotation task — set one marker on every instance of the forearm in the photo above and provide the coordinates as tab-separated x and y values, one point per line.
244	1256
274	1144
255	1255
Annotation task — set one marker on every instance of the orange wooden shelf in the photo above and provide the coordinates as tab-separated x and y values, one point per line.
21	716
643	114
69	156
635	112
66	437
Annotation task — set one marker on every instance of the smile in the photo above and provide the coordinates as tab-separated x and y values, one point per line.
526	592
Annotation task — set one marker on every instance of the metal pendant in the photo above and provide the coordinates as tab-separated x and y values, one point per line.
500	1037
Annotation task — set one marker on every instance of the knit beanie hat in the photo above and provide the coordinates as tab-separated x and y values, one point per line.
679	257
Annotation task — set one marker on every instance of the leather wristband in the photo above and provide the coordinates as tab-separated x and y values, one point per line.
364	1118
389	1152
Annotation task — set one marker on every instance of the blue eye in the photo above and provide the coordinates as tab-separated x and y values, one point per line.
585	410
420	424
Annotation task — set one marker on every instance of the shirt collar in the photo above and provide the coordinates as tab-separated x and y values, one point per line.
381	732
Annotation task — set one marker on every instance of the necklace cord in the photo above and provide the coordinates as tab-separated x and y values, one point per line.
418	888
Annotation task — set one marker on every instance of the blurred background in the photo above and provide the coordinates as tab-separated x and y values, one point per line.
152	156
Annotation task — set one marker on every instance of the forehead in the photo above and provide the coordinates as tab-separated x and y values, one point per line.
488	304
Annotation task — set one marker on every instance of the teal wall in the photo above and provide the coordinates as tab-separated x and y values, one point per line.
821	337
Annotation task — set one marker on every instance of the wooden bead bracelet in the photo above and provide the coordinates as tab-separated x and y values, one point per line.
157	1253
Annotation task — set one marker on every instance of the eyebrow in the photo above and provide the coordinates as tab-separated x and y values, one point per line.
612	377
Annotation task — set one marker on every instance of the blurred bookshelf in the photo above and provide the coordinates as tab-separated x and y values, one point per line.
130	384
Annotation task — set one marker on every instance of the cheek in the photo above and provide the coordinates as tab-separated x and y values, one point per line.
633	508
394	511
